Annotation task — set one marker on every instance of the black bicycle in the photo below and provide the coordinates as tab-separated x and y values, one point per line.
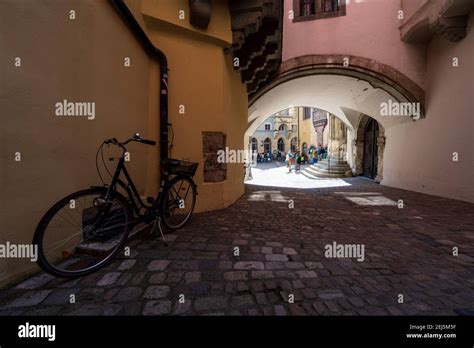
83	231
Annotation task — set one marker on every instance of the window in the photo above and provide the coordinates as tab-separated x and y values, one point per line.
306	113
306	10
307	7
294	144
268	126
330	5
281	145
282	127
267	145
254	145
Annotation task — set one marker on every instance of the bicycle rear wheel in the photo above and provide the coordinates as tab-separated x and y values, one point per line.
179	198
82	232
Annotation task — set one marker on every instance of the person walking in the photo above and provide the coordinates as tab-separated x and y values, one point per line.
320	152
289	159
298	162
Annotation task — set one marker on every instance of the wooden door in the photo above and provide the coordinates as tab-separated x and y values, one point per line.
370	149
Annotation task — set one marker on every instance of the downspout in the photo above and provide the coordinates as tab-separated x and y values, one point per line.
159	56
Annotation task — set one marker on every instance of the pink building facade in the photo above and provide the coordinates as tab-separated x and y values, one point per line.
355	57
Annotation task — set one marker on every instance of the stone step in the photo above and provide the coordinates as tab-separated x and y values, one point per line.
333	165
97	248
333	162
336	160
309	175
325	174
316	169
320	175
324	169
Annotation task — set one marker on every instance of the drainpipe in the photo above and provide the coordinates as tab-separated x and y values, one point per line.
329	142
298	126
159	56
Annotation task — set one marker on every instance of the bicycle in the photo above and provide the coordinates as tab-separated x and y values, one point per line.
83	231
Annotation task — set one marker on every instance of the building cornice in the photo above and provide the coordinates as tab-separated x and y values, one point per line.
447	18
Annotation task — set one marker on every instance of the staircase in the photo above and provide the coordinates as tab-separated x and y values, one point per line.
337	167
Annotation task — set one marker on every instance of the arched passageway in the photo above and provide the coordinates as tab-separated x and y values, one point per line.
354	94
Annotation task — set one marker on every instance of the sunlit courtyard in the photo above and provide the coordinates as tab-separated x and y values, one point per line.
277	174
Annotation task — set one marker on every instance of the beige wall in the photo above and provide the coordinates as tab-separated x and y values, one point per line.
418	156
307	132
82	60
79	60
202	79
169	11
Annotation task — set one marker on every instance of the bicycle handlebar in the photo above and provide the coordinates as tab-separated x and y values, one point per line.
136	137
148	142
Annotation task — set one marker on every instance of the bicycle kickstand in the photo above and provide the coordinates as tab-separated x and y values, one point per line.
158	222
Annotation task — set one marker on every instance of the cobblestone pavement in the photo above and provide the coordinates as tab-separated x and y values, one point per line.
408	252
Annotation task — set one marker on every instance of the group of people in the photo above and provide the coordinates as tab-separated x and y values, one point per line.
264	157
295	159
318	153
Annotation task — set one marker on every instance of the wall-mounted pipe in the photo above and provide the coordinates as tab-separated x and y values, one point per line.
158	55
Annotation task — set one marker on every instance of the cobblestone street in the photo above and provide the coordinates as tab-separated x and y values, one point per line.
408	252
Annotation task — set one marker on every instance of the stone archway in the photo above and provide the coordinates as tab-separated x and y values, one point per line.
325	82
377	74
358	147
346	91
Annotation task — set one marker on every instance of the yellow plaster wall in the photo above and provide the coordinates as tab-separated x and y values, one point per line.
82	60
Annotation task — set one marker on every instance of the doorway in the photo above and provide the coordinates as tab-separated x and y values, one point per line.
281	145
370	161
267	145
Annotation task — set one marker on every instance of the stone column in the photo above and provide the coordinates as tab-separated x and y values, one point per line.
337	135
358	153
380	151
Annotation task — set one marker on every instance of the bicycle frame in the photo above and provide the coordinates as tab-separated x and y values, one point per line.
132	192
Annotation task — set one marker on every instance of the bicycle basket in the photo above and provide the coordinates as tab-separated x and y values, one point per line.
174	166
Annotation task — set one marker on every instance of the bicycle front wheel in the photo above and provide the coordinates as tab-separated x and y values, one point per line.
82	232
179	198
